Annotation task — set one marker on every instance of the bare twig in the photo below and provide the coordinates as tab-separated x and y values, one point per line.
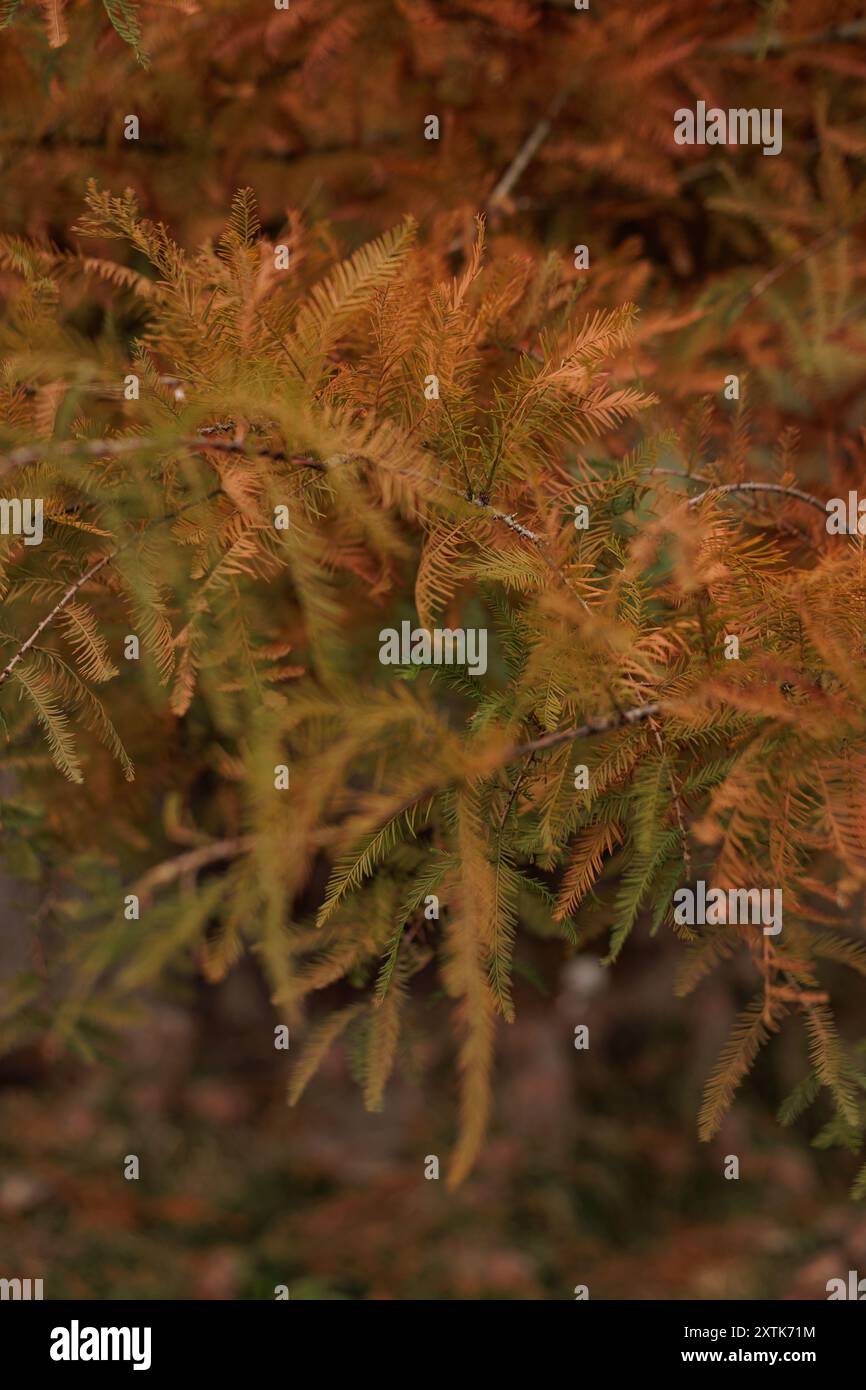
87	576
130	443
190	863
528	150
592	728
796	258
505	518
521	161
775	272
679	473
723	488
49	617
518	783
508	520
750	44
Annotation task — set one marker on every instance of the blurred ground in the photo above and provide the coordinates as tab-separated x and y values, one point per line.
593	1174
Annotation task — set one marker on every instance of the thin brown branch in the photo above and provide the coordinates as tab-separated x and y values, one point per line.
129	444
505	518
523	158
510	521
750	44
87	576
805	997
797	258
592	728
796	492
527	152
777	271
518	783
190	863
49	617
680	473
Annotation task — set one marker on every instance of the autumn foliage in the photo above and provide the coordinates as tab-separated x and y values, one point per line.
281	300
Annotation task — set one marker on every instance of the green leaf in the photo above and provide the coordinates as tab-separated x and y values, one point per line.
8	9
124	18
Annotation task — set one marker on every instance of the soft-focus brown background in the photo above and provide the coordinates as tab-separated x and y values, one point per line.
593	1173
